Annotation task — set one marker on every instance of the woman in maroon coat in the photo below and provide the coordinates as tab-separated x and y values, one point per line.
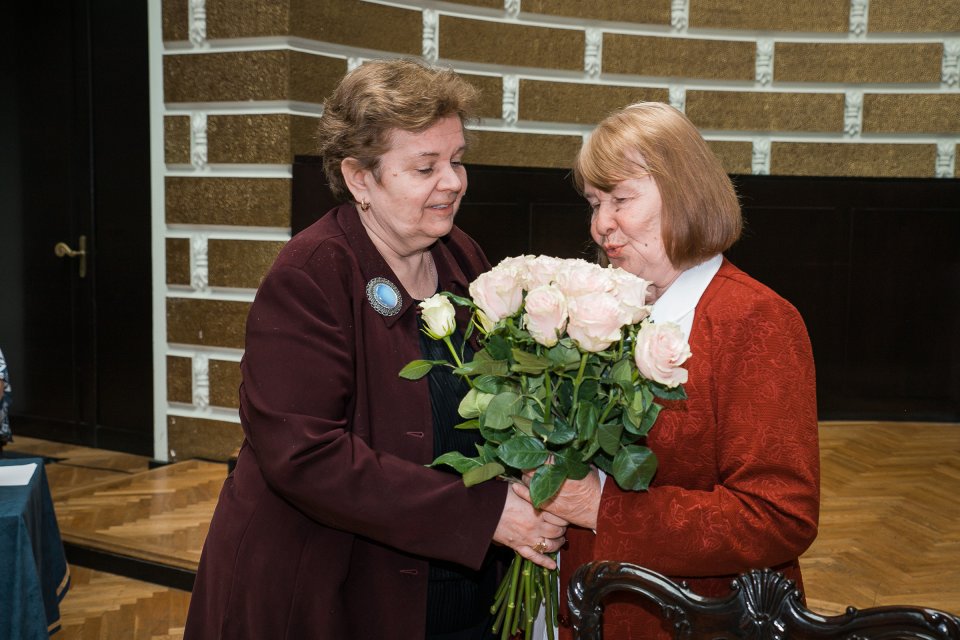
737	485
331	525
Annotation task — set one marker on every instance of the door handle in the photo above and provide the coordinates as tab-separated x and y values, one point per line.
62	249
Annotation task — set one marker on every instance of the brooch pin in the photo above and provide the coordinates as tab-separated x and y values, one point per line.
384	296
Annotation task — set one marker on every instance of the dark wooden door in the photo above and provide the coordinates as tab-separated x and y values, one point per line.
76	331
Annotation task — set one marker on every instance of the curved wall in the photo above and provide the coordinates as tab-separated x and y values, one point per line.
833	88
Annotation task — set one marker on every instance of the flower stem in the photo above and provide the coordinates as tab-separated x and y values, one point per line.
456	356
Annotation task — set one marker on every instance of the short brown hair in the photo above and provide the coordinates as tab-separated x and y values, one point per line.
378	97
701	214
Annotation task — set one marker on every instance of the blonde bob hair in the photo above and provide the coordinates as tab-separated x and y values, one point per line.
700	215
381	96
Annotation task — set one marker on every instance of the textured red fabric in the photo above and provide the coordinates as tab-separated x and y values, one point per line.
738	480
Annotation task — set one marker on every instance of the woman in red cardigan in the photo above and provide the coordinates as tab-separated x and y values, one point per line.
737	485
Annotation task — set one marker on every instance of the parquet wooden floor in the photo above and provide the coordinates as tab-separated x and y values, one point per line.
161	515
102	606
889	517
889	525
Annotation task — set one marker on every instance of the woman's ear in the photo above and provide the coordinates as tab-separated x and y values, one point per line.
355	177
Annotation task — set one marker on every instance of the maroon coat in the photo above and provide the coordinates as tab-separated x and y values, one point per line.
738	481
325	528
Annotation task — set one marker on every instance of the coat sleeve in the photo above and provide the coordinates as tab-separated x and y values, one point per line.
761	505
296	402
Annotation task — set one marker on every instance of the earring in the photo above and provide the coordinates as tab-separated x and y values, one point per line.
364	205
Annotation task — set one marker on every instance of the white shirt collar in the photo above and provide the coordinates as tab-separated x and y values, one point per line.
680	299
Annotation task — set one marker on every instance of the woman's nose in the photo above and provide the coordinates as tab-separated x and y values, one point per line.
603	220
451	180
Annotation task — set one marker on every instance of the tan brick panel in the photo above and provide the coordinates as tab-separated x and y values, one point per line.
176	140
179	379
217	323
202	438
175	16
679	57
509	149
853	159
649	12
256	139
736	157
807	62
491	94
579	103
240	263
912	113
178	260
510	44
258	202
832	16
247	18
250	75
763	111
359	24
224	383
489	4
898	16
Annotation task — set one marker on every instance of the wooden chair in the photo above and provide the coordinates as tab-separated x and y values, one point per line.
763	605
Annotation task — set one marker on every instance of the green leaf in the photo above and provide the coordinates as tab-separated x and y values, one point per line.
589	389
524	424
480	366
526	362
545	483
622	373
500	411
457	460
417	369
463	302
633	467
666	393
562	432
523	452
586	421
590	453
487	383
469	424
602	462
564	356
649	418
498	347
483	473
608	436
575	469
563	396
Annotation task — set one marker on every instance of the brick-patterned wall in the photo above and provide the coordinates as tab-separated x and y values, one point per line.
835	87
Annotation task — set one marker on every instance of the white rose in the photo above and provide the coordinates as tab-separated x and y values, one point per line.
498	292
595	320
631	291
661	349
543	270
579	277
546	314
439	316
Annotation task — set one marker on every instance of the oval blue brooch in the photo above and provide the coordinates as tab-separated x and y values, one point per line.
384	297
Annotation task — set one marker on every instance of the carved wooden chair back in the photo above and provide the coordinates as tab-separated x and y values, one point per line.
762	605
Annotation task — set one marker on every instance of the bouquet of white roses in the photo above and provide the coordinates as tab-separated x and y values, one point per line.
567	376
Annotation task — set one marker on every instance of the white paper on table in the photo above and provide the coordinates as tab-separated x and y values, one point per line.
17	475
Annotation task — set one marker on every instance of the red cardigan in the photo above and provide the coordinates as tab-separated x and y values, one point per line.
325	528
737	485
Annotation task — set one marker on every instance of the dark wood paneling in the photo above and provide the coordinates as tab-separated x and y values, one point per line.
873	265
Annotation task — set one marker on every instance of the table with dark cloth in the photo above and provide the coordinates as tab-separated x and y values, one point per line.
33	569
